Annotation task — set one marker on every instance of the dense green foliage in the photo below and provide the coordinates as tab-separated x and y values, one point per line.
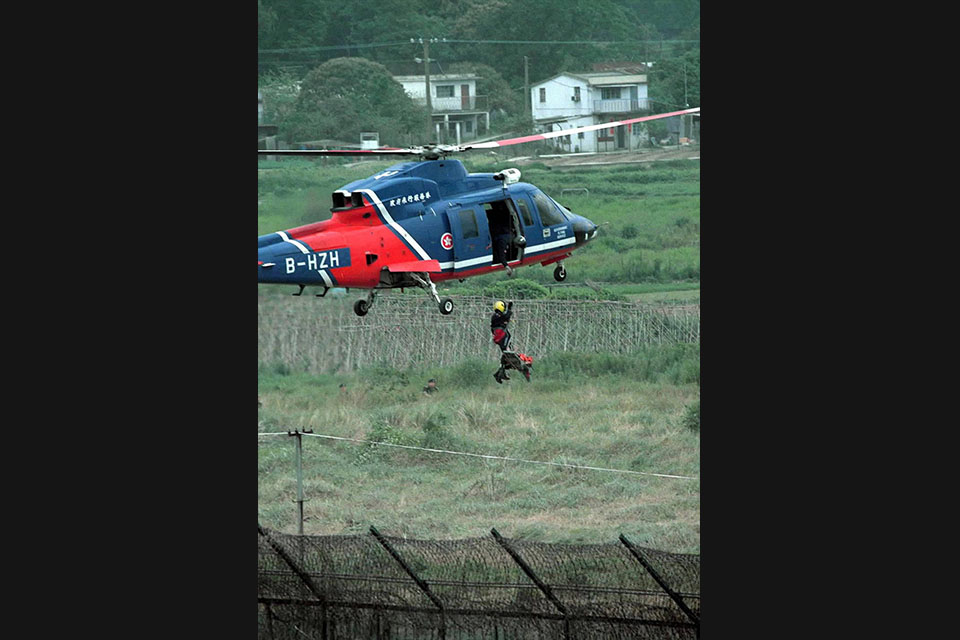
345	96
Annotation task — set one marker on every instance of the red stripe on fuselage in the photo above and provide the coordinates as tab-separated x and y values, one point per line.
363	236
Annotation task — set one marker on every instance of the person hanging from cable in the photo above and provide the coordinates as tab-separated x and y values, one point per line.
498	324
501	337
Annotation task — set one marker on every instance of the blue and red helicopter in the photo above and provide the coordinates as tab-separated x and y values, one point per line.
419	223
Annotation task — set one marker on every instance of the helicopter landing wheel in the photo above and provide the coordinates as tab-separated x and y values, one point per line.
360	307
560	274
446	306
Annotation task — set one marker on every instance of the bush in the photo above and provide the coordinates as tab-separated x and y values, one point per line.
585	293
473	373
384	379
691	418
679	364
519	289
435	434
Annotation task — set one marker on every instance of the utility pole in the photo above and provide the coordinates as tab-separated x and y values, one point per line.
299	437
527	100
686	105
426	75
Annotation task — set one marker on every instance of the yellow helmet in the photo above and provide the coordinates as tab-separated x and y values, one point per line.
499	306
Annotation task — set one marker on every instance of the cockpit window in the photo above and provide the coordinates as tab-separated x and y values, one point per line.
525	212
565	211
549	214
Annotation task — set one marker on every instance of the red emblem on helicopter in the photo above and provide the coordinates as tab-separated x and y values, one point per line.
446	241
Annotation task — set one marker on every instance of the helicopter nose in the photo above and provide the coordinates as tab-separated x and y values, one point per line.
584	230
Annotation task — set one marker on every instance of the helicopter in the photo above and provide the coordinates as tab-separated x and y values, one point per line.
422	222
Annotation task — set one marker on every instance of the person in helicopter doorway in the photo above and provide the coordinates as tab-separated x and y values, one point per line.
501	236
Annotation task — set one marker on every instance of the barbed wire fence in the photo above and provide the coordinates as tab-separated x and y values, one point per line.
402	331
390	588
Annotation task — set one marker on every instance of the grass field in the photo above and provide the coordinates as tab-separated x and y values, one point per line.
628	413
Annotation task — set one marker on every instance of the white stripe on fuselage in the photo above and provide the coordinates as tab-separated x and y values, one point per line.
546	246
295	243
396	226
550	245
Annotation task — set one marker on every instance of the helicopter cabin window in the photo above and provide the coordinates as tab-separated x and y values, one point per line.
525	212
444	90
468	223
549	215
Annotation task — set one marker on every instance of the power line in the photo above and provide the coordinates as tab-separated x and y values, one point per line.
332	47
485	456
572	41
447	41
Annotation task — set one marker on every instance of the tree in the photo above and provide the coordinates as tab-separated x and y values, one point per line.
345	96
279	91
675	82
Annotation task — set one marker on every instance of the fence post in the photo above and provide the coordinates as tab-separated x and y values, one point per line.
269	620
544	588
417	579
299	437
663	585
303	575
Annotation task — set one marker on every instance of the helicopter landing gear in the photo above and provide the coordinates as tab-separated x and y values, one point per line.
424	281
361	307
560	274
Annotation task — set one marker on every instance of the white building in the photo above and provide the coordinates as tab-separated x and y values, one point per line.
457	109
571	100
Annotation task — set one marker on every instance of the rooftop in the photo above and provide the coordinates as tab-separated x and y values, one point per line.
438	77
602	78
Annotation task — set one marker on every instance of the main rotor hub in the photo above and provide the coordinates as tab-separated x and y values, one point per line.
437	151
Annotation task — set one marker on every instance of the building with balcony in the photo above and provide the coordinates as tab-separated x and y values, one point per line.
571	100
457	111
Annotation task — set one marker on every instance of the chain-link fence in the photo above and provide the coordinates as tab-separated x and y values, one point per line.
383	587
401	331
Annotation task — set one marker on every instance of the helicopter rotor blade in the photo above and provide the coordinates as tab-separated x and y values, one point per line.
338	152
566	132
435	151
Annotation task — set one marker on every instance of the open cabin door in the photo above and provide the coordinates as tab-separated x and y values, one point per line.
470	236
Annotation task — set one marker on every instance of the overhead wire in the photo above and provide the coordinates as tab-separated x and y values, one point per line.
449	41
480	455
